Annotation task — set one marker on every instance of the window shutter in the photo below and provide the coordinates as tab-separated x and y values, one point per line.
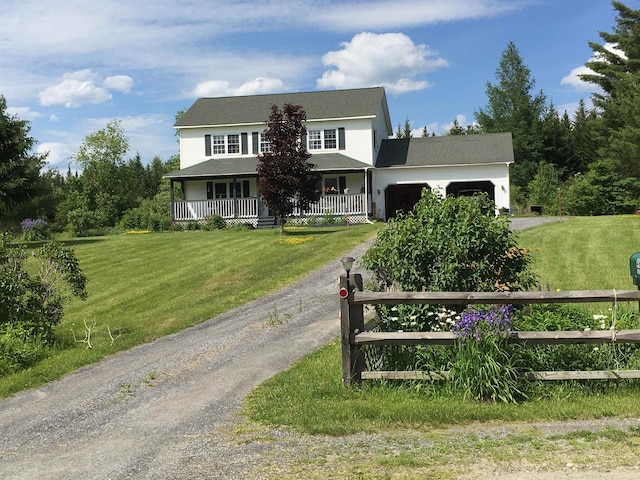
207	145
255	138
244	143
303	140
341	142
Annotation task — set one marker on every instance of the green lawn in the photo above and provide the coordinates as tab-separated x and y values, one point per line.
142	287
579	253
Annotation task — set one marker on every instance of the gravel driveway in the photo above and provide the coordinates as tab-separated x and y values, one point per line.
163	410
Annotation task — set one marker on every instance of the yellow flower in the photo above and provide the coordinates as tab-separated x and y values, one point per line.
132	232
294	240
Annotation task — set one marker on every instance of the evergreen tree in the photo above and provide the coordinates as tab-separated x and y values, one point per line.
405	131
514	108
19	165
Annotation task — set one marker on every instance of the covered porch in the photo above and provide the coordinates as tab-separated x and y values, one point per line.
230	190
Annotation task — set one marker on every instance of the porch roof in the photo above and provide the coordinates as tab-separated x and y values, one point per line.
446	150
247	166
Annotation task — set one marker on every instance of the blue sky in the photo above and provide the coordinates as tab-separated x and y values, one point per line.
70	66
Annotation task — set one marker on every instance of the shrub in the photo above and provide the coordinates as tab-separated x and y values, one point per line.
34	302
449	244
443	244
215	222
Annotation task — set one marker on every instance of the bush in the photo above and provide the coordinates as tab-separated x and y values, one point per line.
33	303
449	244
215	222
443	244
19	349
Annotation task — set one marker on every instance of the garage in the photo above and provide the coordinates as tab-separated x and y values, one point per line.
402	197
462	189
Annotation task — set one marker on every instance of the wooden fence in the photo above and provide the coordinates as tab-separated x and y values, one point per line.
355	333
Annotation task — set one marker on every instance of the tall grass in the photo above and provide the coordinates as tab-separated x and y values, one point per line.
142	287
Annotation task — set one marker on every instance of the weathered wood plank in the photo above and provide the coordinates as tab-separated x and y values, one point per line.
567	337
531	376
404	338
404	375
563	337
514	298
583	375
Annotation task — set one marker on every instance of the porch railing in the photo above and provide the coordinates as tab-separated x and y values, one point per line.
337	205
227	208
248	207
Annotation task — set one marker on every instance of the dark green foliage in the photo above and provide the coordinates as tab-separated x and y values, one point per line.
19	166
34	302
602	191
449	244
514	108
215	222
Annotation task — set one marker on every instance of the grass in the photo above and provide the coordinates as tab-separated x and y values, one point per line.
579	253
583	253
142	287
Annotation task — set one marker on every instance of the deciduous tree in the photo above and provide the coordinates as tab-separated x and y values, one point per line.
287	179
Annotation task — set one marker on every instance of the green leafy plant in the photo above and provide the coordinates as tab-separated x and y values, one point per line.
35	302
484	369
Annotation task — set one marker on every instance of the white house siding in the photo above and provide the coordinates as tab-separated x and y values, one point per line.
439	178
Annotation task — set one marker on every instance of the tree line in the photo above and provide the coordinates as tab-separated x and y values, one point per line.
586	164
108	190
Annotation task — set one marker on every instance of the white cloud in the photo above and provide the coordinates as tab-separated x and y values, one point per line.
75	89
573	78
59	154
122	83
80	87
222	88
391	60
23	113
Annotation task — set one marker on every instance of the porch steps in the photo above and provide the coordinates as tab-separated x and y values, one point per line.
266	222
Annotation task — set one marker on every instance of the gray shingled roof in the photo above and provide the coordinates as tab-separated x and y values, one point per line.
446	150
360	102
225	167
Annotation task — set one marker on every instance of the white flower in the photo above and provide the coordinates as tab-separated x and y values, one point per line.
587	329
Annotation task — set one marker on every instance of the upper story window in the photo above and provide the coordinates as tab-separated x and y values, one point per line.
265	145
233	143
225	144
322	139
217	141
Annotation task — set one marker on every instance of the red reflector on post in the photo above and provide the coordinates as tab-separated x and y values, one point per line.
344	293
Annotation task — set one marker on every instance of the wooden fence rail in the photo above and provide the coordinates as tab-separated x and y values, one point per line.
355	334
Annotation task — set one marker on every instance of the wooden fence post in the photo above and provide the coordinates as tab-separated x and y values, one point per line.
351	321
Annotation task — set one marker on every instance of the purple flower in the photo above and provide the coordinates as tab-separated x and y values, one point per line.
32	223
475	323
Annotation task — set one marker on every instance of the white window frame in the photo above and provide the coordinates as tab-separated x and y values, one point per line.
265	145
322	139
233	143
218	145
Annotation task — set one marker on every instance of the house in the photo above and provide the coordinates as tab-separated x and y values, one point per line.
365	174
